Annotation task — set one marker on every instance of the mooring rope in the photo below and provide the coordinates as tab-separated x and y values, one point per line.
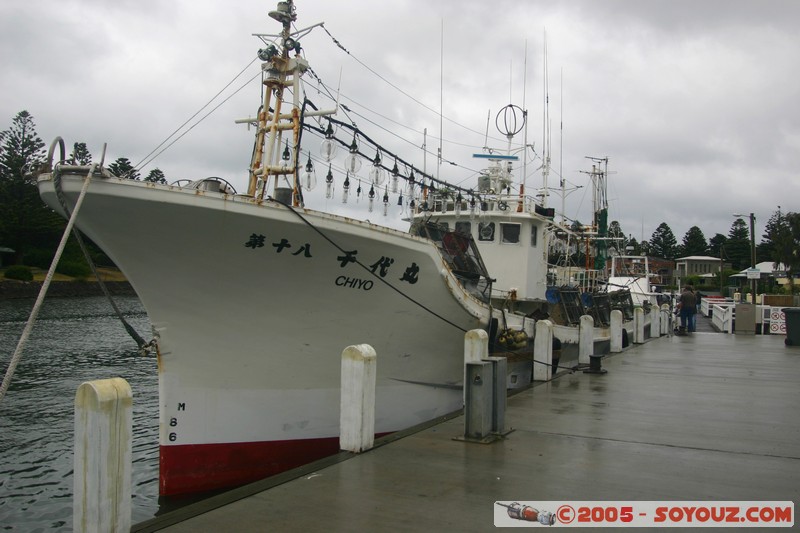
140	342
23	340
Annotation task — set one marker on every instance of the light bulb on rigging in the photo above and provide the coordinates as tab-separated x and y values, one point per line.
352	163
376	172
329	184
309	177
346	188
371	196
328	147
395	172
286	156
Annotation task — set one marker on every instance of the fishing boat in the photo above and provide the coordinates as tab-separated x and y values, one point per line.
253	296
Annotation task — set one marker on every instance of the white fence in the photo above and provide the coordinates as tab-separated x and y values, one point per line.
723	314
722	317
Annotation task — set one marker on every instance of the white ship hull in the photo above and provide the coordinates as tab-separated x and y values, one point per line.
252	307
252	302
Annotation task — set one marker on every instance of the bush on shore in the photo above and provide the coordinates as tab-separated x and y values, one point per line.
19	273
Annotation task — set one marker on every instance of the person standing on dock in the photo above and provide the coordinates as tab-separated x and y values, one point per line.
688	303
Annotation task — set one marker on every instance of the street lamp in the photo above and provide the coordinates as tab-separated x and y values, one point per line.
752	250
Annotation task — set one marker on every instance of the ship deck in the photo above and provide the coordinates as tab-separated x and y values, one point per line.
703	417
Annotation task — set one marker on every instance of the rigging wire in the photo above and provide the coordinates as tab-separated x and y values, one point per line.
145	161
395	122
398	89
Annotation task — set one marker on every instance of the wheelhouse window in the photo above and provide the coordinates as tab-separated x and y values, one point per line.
509	233
534	234
486	231
464	228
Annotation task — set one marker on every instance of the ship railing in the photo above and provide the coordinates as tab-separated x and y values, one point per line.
450	202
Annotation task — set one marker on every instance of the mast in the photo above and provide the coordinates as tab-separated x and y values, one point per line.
280	71
599	176
545	129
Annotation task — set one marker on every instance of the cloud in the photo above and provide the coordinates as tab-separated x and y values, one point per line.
694	103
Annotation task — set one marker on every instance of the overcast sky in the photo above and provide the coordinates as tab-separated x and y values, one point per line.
695	103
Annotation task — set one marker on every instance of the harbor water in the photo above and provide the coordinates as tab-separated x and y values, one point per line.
74	340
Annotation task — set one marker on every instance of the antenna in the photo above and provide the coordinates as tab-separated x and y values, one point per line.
561	148
525	115
441	99
486	136
545	127
510	80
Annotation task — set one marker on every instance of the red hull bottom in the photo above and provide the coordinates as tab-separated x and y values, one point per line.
194	468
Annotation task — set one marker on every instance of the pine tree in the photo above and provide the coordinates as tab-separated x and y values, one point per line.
80	154
782	242
26	223
737	247
22	148
716	246
663	243
156	176
694	243
123	168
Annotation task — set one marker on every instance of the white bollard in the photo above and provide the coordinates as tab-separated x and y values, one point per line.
476	349
638	325
357	416
543	351
586	339
616	331
655	322
665	319
103	443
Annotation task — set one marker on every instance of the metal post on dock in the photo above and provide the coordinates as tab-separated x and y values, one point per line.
586	339
485	394
476	348
103	444
638	325
357	416
616	331
499	394
479	397
543	351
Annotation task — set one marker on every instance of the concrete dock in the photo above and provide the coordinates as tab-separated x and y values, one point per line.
708	416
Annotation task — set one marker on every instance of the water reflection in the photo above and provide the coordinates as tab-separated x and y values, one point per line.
74	340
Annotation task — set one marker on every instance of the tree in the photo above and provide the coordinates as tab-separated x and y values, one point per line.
635	247
123	168
694	243
773	230
716	246
738	246
783	234
617	236
80	154
663	243
26	223
156	176
22	148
